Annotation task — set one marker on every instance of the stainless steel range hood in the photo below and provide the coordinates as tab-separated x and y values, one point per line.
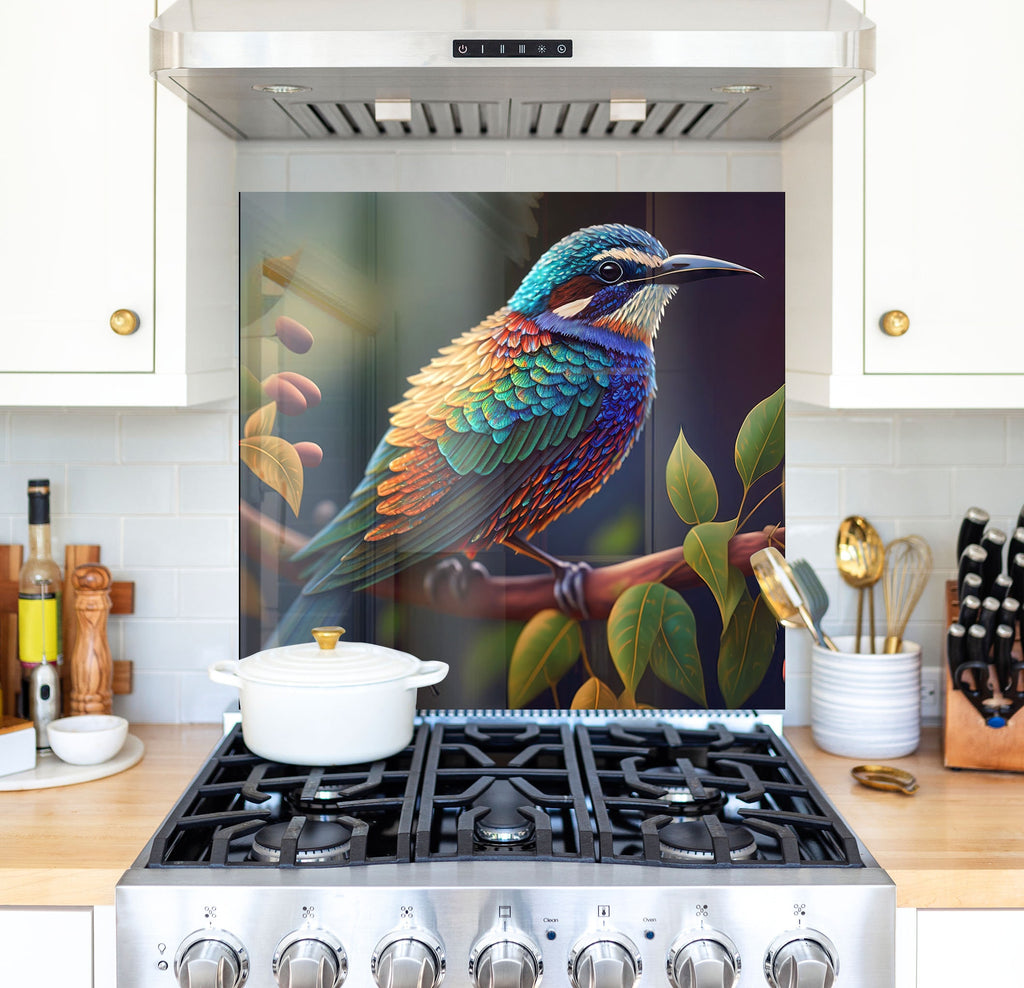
496	69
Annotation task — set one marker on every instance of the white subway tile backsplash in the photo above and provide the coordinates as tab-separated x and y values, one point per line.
209	490
999	490
960	439
897	493
184	437
154	645
863	440
155	698
811	491
156	592
76	437
122	490
14	478
203	700
178	542
209	593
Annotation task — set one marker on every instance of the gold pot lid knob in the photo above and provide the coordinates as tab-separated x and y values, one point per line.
124	322
327	637
895	322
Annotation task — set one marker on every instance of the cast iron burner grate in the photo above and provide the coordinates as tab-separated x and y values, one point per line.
641	793
237	794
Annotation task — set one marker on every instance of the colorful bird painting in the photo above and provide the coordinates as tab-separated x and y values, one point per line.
517	421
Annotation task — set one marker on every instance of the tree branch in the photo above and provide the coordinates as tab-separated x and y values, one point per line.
512	598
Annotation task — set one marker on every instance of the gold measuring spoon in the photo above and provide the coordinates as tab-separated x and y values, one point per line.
885	777
860	558
782	594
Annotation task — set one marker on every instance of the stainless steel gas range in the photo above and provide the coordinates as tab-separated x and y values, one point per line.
499	850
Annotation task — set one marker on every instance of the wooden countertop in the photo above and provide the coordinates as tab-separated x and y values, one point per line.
959	842
956	843
69	846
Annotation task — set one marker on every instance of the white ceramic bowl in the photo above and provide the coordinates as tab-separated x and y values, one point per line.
88	739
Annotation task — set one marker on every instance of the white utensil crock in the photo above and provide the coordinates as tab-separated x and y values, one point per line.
866	705
345	703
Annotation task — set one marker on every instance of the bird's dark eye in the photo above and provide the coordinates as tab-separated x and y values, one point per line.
609	271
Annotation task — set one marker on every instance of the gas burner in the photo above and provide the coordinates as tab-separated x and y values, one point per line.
502	824
319	843
691	841
683	802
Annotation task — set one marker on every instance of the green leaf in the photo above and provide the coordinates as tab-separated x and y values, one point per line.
747	645
691	486
675	658
706	550
633	624
547	648
276	463
736	588
595	695
761	441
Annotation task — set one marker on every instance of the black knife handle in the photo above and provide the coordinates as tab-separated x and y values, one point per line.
1017	575
977	662
956	650
1001	656
972	560
970	608
973	524
1000	587
1009	612
989	618
993	542
1015	545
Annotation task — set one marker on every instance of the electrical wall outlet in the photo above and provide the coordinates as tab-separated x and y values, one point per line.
931	694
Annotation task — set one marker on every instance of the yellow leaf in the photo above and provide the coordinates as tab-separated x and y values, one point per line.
594	695
261	422
276	463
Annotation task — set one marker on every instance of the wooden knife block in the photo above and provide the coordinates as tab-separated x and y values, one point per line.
122	597
967	741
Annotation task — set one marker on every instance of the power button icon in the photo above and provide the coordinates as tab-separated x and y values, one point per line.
463	49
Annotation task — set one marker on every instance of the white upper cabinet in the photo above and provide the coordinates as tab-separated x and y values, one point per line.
98	182
907	199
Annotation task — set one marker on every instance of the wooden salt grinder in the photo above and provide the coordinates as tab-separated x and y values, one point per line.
92	670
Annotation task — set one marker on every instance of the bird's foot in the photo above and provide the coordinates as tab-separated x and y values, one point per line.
570	592
452	574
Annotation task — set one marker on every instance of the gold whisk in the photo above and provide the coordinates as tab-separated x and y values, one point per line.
908	564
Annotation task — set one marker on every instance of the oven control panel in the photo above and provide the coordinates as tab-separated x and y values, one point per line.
682	936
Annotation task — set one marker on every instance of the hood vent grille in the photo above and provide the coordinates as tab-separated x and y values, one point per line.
355	120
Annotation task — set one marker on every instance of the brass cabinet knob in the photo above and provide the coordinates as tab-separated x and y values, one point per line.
895	323
124	322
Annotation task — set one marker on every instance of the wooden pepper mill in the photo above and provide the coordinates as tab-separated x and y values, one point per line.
91	668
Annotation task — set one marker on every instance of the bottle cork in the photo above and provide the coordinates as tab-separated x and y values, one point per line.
91	667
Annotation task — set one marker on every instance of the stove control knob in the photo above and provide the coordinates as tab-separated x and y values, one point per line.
310	959
211	959
408	959
801	959
505	961
607	960
707	959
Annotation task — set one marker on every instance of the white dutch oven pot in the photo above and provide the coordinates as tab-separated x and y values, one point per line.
325	702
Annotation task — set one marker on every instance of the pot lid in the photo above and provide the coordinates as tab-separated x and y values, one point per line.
328	662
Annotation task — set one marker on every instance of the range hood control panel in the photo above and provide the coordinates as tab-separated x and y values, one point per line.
512	48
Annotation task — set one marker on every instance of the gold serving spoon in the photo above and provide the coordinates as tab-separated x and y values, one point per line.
782	593
860	558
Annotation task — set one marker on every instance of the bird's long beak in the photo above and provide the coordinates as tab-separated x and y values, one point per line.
693	267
